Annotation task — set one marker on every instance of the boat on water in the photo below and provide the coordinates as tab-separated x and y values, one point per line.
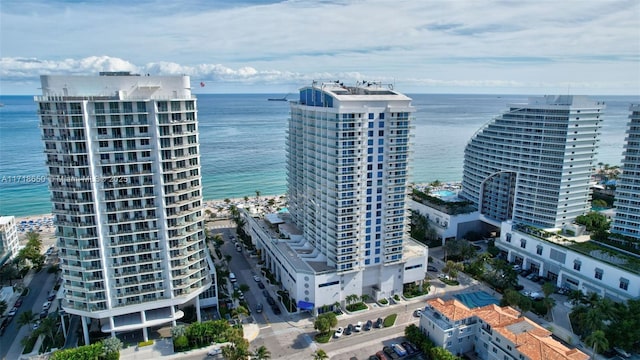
279	99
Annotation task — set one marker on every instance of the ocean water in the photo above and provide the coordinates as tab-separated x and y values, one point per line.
242	142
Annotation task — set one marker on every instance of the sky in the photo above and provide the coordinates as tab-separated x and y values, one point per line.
260	46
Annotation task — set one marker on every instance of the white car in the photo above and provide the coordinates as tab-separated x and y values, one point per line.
417	313
215	351
338	332
256	278
358	326
46	306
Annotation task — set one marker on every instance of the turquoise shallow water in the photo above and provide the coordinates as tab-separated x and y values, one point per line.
242	142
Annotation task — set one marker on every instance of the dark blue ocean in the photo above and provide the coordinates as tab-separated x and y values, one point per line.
242	141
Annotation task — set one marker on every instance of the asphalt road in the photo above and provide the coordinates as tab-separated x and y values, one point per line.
40	285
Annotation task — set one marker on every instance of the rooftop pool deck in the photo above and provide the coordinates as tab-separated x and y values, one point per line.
477	299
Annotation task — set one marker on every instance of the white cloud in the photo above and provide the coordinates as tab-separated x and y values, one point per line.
488	44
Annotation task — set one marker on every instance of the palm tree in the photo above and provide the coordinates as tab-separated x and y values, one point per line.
262	353
364	297
351	298
576	297
3	306
47	327
593	319
25	318
597	340
549	303
320	355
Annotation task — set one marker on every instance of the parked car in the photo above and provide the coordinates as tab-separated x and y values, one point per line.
432	268
13	311
348	330
276	309
417	313
518	287
339	332
622	352
530	276
256	278
51	297
36	325
535	278
260	285
214	352
411	349
44	313
379	323
382	356
18	302
390	352
259	308
399	349
271	301
265	293
358	327
525	272
368	325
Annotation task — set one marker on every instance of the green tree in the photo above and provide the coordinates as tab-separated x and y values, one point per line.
320	355
548	288
47	328
576	297
178	330
525	304
597	341
351	298
262	353
593	320
26	318
452	268
322	325
244	288
235	352
549	303
364	297
111	347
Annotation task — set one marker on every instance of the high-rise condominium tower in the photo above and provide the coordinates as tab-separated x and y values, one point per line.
533	163
627	219
348	163
124	164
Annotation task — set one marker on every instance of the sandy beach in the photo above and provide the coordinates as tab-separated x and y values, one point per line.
43	224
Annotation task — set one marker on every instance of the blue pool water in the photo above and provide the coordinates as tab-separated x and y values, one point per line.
443	193
476	299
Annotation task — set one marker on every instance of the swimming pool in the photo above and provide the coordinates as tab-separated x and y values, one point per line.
443	193
476	299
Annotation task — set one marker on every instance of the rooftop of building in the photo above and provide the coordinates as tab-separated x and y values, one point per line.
289	241
4	220
529	338
584	245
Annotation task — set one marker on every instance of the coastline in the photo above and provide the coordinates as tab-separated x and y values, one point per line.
219	208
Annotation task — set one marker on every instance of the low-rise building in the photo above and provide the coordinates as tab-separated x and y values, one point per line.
296	266
572	262
491	333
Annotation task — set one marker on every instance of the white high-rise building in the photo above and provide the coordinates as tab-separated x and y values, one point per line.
124	164
347	228
626	221
533	164
8	238
348	169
